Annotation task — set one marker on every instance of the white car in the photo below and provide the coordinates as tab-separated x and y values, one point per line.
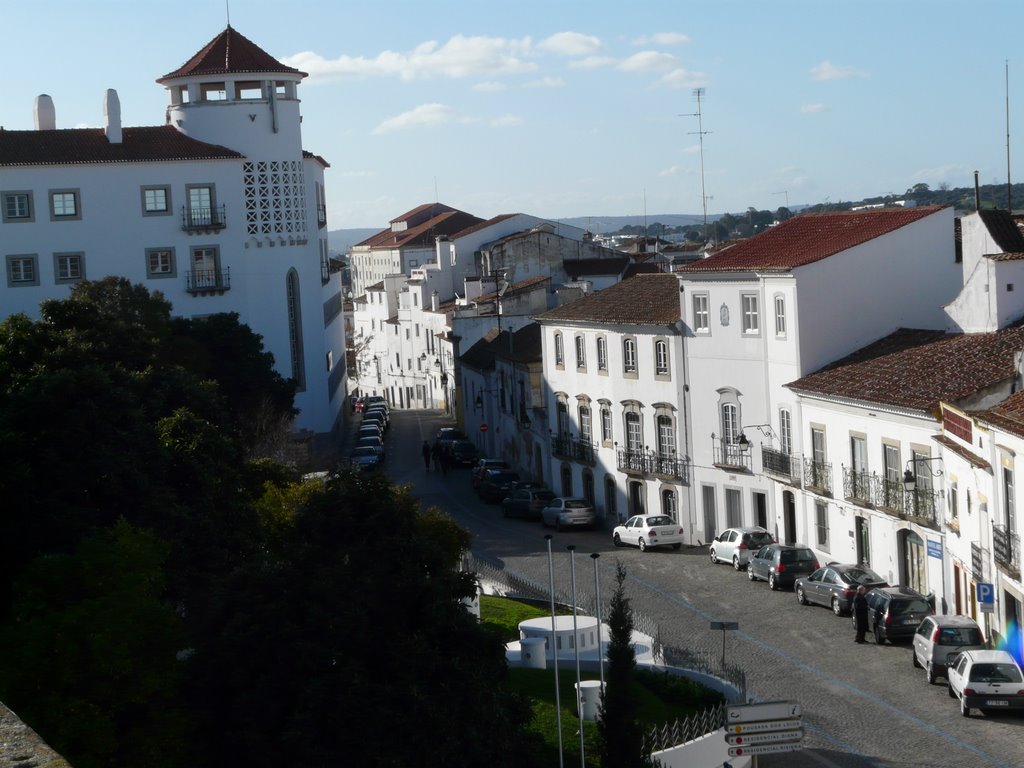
568	512
987	680
737	545
646	531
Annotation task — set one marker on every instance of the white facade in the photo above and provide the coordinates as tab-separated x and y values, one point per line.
235	227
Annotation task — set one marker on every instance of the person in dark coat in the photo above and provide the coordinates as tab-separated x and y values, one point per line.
426	455
860	613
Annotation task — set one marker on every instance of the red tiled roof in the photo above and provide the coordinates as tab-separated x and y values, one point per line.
1008	415
1013	256
647	299
521	286
227	54
310	156
484	224
918	368
962	451
89	145
1003	229
809	238
447	223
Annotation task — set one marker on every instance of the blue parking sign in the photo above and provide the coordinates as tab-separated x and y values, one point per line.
986	593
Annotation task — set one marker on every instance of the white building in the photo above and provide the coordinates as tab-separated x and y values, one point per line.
768	310
218	208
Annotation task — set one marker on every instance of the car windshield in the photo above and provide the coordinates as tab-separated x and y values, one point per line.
900	607
576	504
758	539
995	673
659	520
796	556
960	636
862	575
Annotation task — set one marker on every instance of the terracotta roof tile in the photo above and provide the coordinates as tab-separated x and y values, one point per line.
917	368
76	146
645	300
1008	415
809	238
484	224
229	53
1003	229
962	451
1012	256
448	222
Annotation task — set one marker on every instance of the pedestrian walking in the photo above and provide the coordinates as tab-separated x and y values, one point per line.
860	613
426	455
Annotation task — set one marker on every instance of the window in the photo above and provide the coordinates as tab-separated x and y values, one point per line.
606	424
1009	511
559	351
64	205
668	503
213	92
156	201
730	423
602	353
666	437
160	262
786	431
248	89
629	355
634	433
701	313
295	329
201	204
562	414
661	358
892	486
22	270
581	352
954	502
68	267
17	207
821	524
751	322
586	425
780	316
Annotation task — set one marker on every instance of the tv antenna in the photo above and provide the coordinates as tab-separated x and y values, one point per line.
786	193
699	94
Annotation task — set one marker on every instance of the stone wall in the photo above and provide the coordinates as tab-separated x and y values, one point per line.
21	746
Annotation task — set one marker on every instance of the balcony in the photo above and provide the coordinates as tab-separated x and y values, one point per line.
203	281
818	476
922	505
781	464
888	495
731	455
203	219
572	448
648	462
321	215
1006	549
858	486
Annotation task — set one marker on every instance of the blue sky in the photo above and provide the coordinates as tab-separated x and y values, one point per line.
571	108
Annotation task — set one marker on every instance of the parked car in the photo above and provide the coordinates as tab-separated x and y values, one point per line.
526	502
735	545
520	485
835	584
364	458
376	417
646	531
448	434
371	441
370	400
495	483
895	613
938	637
568	512
370	429
781	564
375	409
463	453
476	473
985	680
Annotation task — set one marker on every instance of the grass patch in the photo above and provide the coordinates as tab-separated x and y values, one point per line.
502	615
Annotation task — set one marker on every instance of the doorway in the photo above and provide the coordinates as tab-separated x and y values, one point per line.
862	539
636	498
912	564
710	514
761	510
788	517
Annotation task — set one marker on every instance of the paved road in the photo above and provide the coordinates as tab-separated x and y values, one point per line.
864	705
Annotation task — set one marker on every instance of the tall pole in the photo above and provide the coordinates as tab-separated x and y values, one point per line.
1009	187
576	644
699	93
597	589
554	650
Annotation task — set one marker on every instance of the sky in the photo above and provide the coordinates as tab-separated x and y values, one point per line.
566	108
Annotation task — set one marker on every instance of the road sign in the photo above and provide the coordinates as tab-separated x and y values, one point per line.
763	749
765	738
935	548
483	427
771	710
723	625
763	726
986	595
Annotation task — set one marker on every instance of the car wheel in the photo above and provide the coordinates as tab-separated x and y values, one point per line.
930	673
949	690
879	637
750	574
773	583
642	544
677	546
616	540
913	655
713	558
800	596
837	608
964	709
736	563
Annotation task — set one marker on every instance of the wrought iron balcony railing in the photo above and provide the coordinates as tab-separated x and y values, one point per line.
208	280
888	494
858	486
780	463
202	219
572	448
1006	548
640	462
922	505
731	455
818	476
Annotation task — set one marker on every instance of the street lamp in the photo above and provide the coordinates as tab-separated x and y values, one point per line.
764	429
910	474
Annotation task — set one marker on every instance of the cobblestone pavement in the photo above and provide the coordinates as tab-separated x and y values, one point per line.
864	705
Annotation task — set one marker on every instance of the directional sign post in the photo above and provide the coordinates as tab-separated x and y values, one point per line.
760	729
725	626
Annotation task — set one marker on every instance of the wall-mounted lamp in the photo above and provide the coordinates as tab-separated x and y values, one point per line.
910	474
764	429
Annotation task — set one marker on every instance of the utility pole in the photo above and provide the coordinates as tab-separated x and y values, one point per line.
699	94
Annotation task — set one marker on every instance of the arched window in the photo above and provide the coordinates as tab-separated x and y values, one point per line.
629	355
562	414
581	352
295	329
634	432
586	425
666	437
606	423
730	422
602	353
566	480
661	358
669	504
610	498
559	350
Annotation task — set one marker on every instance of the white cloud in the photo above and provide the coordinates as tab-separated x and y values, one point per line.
593	62
546	82
662	38
676	170
424	115
460	57
692	149
829	71
570	44
490	86
506	121
648	61
681	78
809	109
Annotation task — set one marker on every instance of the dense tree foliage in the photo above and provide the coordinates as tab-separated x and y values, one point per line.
171	596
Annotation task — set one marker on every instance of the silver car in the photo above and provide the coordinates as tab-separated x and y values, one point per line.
568	512
736	545
939	636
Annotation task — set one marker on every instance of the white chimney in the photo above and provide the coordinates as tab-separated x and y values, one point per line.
435	302
46	115
112	116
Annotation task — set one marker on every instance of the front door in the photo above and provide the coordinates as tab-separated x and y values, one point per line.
636	498
789	517
862	539
710	514
761	510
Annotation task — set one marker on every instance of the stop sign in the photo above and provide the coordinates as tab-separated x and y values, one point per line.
483	427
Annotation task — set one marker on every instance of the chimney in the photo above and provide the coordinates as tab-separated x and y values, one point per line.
977	193
112	116
435	302
46	116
